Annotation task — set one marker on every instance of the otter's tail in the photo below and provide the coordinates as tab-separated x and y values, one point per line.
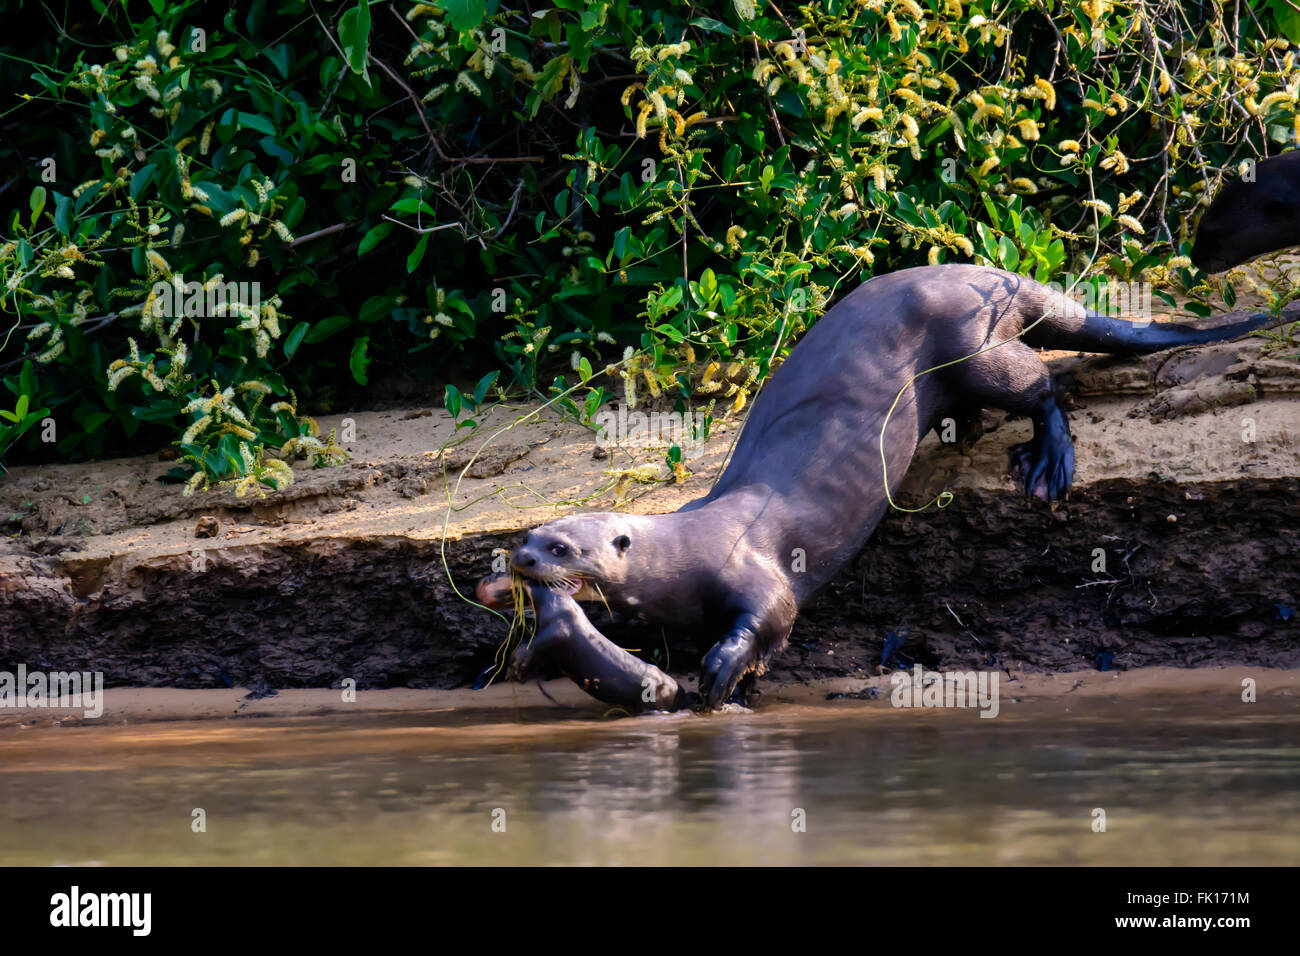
1093	332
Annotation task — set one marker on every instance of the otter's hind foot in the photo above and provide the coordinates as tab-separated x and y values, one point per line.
1044	465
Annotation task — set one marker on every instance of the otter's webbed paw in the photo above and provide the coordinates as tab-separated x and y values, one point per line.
1045	463
723	667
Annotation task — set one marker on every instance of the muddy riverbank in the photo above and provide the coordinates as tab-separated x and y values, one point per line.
1176	548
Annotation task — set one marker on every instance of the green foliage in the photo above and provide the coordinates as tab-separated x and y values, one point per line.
14	424
478	185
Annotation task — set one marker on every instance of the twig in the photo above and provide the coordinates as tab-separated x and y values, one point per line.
327	231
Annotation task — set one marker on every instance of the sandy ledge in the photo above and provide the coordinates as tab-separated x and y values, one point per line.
134	705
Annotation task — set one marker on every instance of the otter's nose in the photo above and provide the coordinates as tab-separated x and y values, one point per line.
523	558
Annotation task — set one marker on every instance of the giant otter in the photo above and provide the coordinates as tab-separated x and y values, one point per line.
1247	219
805	488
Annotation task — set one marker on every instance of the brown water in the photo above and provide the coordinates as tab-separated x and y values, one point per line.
1181	781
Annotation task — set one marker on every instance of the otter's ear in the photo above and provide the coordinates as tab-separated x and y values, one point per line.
622	543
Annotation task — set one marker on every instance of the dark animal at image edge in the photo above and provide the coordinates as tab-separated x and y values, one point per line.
1251	217
806	475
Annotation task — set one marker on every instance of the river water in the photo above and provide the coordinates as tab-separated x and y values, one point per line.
1180	781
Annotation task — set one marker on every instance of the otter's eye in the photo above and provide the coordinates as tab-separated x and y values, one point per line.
559	550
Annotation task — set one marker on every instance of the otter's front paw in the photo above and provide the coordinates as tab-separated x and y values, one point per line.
722	669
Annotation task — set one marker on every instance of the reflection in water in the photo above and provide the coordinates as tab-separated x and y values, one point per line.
1181	782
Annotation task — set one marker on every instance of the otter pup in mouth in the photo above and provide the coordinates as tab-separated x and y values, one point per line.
565	638
806	485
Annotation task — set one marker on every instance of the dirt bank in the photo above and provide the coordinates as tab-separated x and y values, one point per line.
1177	547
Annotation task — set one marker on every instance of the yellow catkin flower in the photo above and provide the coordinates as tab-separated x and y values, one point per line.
1028	129
642	115
1049	92
1069	146
1268	102
1131	224
734	235
158	262
1116	161
988	165
867	113
658	104
1024	185
932	257
1100	205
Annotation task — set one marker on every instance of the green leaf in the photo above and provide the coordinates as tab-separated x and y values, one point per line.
63	214
94	420
354	32
464	14
451	398
256	123
141	179
481	389
374	236
294	338
1287	16
327	327
359	360
37	202
712	25
377	307
1007	254
417	254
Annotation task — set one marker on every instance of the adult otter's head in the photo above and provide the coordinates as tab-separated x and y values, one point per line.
1251	216
578	554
